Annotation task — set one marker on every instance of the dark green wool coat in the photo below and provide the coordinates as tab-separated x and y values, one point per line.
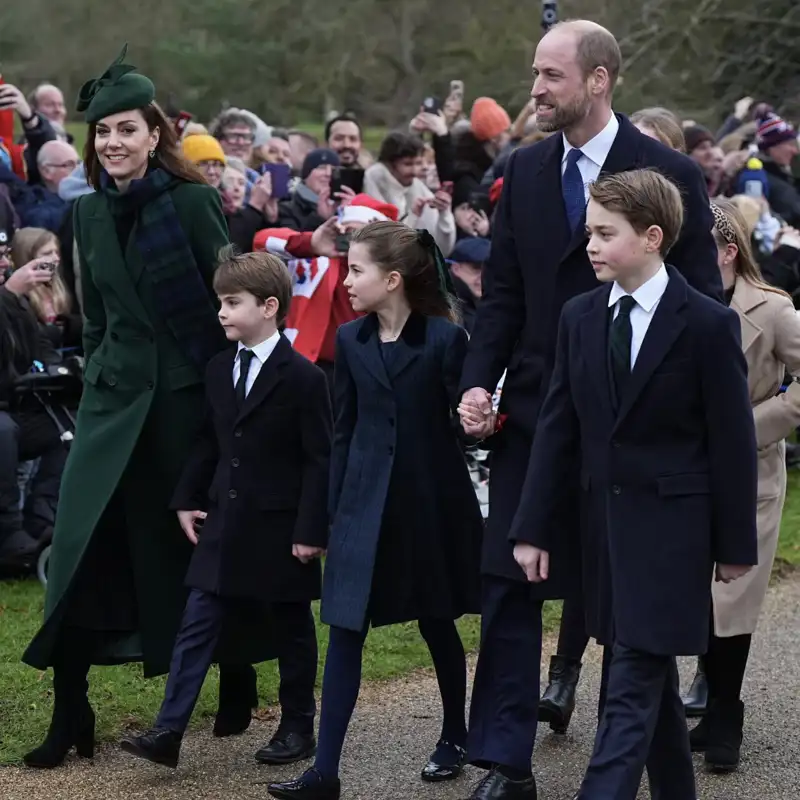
142	406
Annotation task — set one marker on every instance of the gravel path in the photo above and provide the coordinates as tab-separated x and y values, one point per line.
396	726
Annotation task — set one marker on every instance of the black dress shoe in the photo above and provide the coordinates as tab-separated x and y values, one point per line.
496	786
238	696
695	701
287	748
158	745
309	786
446	763
558	700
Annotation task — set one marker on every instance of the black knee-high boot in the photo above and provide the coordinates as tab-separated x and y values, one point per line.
73	719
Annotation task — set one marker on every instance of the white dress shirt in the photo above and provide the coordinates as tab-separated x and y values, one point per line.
261	352
647	298
595	152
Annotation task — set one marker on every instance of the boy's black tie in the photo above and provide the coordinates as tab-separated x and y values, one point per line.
619	343
245	357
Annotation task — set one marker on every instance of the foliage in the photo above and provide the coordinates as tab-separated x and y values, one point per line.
296	60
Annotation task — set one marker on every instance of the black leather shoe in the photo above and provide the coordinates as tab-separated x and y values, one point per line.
158	745
558	700
238	696
496	786
446	763
725	734
309	786
695	701
287	748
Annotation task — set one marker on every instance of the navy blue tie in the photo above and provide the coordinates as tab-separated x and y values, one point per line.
572	189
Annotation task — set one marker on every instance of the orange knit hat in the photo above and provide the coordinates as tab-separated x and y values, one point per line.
488	119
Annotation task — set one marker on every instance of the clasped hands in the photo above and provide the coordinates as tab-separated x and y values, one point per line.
477	414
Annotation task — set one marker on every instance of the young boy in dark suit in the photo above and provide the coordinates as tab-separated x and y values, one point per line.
649	394
253	500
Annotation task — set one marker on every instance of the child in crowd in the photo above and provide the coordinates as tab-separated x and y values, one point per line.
649	390
406	531
253	500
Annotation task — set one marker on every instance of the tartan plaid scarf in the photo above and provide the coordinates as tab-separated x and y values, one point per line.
180	294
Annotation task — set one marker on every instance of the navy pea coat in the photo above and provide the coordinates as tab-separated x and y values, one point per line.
537	264
406	524
668	474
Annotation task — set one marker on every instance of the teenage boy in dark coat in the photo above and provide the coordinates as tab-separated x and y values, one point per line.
649	390
253	499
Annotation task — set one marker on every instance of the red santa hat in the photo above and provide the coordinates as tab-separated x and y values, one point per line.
366	209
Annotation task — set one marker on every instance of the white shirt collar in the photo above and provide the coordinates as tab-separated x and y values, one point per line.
597	149
264	349
647	295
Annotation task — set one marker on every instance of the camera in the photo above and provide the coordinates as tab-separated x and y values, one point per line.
432	105
549	14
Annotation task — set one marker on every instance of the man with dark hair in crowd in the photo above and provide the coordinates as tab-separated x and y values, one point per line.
343	135
394	180
311	203
279	150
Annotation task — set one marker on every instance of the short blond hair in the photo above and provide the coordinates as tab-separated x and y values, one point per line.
645	198
664	124
260	274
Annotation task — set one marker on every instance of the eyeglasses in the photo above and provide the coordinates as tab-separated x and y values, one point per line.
246	138
64	165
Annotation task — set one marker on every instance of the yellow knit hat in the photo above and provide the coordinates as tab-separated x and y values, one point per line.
201	147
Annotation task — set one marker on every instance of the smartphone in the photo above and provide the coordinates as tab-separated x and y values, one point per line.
479	201
352	178
433	105
281	176
181	121
343	242
49	267
336	182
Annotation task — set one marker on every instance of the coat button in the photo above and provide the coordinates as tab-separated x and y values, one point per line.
232	494
114	337
151	385
237	433
616	489
234	462
112	382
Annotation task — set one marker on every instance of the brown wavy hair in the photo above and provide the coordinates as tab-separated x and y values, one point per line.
168	152
395	247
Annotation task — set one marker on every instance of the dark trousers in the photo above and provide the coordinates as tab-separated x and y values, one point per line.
572	636
192	655
505	695
642	724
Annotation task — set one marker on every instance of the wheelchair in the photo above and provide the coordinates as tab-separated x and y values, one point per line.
51	388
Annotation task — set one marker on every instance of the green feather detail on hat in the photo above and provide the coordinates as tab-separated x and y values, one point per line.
119	88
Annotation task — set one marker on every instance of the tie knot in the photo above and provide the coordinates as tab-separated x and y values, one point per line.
626	304
573	157
245	357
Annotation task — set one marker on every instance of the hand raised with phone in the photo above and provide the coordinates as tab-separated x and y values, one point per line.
29	276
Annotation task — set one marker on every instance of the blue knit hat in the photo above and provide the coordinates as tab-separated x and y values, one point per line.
471	250
316	158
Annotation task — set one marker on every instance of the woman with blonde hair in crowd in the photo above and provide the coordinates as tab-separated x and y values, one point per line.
771	344
51	302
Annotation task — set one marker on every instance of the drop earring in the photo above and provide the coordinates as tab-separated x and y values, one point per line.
152	153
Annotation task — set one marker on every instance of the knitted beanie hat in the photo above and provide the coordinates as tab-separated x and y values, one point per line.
202	147
773	130
488	119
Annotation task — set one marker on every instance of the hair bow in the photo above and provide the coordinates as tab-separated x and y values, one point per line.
446	285
111	76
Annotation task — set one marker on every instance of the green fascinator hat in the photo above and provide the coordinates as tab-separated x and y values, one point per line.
119	88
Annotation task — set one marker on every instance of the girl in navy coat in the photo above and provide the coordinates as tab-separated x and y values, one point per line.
406	531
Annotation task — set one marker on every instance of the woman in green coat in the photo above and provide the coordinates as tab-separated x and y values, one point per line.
148	240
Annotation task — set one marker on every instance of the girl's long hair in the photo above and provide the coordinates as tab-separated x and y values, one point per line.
168	154
736	232
394	247
27	242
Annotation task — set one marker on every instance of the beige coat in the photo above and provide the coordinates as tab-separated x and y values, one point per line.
771	343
